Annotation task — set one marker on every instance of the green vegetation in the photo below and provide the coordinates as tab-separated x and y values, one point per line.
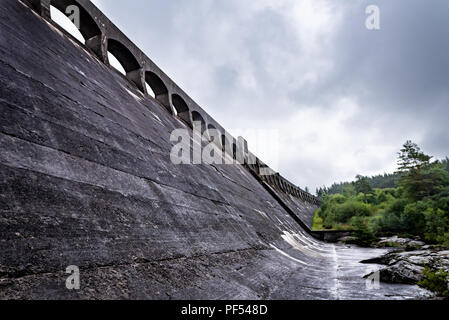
415	203
436	281
376	182
317	222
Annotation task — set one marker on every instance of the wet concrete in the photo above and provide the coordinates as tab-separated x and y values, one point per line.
350	269
86	180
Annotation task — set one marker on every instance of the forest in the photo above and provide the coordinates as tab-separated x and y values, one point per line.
413	202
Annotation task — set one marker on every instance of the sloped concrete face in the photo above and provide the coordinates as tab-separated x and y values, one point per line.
86	180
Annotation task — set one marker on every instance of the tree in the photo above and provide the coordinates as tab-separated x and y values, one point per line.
362	185
417	203
320	192
445	163
427	182
412	158
420	178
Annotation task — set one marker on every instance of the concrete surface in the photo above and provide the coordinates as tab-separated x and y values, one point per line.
86	180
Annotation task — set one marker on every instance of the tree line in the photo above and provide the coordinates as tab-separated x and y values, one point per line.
413	201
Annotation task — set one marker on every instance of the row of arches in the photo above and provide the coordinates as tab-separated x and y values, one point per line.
122	59
278	182
77	21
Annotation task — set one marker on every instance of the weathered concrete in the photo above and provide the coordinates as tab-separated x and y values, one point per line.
102	36
86	180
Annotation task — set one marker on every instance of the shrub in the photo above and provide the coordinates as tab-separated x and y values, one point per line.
364	235
350	209
442	201
317	221
437	226
413	218
381	196
329	221
435	281
390	222
398	206
328	207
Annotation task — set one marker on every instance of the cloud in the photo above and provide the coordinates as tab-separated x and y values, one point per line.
343	99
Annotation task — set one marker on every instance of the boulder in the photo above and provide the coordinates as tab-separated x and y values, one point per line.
407	266
401	272
395	241
347	239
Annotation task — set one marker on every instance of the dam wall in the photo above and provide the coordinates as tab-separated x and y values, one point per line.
86	180
102	36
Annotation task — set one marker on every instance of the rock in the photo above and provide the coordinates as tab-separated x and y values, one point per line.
401	272
347	239
385	260
395	241
444	253
406	267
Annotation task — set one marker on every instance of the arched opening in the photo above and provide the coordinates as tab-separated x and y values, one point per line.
234	150
150	91
181	109
113	62
276	183
156	88
211	130
225	144
83	23
122	56
282	185
198	120
65	23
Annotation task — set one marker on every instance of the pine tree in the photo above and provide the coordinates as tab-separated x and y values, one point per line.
420	178
412	158
362	185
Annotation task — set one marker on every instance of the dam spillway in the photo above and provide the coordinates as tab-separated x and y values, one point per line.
86	180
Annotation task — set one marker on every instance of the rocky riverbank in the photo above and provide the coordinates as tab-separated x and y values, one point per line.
397	242
409	261
407	266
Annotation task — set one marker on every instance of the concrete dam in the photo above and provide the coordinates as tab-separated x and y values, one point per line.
87	181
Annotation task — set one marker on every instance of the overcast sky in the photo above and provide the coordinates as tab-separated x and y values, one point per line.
343	99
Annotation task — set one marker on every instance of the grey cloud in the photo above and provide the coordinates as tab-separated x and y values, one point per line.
248	67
